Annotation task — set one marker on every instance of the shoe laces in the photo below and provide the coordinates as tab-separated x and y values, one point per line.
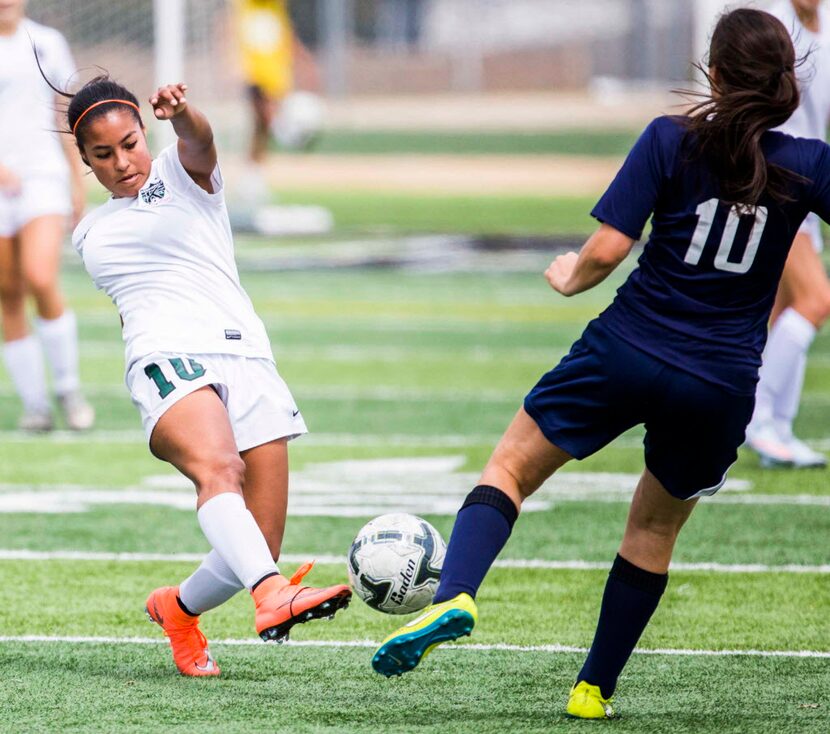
300	573
184	636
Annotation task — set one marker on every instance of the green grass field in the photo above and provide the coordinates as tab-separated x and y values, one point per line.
406	380
564	142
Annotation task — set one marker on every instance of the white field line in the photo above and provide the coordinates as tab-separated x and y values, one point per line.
31	555
369	644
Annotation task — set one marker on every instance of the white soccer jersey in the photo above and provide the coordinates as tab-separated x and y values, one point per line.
28	141
812	117
165	258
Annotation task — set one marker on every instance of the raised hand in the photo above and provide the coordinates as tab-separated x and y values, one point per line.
169	101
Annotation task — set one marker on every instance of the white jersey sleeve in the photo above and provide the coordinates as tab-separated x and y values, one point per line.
171	169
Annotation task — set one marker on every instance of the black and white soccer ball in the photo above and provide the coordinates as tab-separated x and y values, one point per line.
395	563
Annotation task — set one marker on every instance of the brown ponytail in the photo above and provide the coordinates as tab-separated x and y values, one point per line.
753	89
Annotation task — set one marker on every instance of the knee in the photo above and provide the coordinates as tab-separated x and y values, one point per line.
222	473
41	285
510	471
12	294
656	526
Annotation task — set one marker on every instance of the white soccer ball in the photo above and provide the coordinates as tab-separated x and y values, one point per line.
395	563
299	120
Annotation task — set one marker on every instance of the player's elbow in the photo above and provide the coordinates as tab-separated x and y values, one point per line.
607	258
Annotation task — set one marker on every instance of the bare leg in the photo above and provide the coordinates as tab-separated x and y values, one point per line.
633	589
12	291
195	436
802	306
22	352
522	460
266	489
264	110
40	256
654	522
520	463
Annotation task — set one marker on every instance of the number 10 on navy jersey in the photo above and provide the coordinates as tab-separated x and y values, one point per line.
706	217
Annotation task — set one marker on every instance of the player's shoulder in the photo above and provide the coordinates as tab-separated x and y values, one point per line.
169	168
671	127
665	135
807	157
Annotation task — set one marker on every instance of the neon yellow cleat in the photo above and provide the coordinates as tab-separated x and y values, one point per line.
586	702
406	647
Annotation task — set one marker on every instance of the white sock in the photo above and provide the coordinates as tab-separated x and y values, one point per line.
233	533
782	371
60	343
24	362
210	585
799	333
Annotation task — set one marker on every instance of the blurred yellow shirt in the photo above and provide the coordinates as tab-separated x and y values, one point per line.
266	41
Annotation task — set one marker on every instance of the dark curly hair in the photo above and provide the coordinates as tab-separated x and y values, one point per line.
754	88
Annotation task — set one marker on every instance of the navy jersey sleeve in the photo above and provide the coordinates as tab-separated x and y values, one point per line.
630	199
820	190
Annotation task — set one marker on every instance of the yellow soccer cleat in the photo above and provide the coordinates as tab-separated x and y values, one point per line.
444	622
586	702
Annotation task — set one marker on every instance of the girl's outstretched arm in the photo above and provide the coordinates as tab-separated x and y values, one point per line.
196	149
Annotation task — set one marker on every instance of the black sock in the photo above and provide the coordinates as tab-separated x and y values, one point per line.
482	527
266	576
631	596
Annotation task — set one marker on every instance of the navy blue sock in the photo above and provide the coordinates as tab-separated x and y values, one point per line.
482	527
631	596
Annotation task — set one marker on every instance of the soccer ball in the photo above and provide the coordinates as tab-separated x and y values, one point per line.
395	563
299	121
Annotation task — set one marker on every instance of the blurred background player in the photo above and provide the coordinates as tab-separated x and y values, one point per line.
40	186
272	60
803	301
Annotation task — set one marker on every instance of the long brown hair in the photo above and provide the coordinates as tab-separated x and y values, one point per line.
754	88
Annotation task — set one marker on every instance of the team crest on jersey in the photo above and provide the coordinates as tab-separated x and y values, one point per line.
153	192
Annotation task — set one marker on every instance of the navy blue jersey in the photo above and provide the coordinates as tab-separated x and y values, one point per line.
706	280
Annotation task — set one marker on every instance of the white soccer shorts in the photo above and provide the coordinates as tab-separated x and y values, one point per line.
40	196
259	403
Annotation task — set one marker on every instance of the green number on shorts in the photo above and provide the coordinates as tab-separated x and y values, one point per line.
153	371
162	383
196	370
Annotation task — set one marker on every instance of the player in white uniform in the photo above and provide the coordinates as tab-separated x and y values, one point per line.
198	361
803	301
35	200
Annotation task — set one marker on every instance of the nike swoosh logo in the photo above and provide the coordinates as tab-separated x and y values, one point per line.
295	413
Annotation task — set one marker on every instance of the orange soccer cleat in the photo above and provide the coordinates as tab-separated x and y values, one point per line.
281	603
190	647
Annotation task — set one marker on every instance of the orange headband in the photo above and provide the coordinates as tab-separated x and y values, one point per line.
103	101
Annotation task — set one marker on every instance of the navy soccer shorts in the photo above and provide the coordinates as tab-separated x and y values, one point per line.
605	386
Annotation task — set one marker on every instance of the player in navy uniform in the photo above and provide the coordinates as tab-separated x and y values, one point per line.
678	350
